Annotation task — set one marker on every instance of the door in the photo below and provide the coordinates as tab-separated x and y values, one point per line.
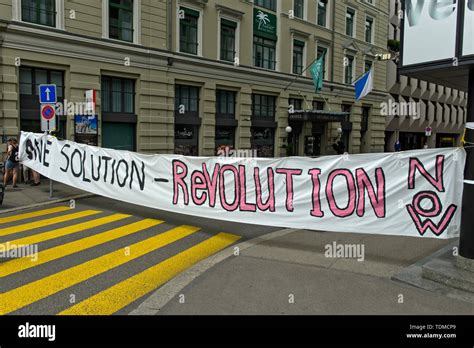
118	136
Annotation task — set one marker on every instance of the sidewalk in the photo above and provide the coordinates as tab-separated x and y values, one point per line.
290	274
26	195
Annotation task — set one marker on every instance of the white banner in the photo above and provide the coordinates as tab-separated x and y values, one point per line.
429	31
468	34
413	193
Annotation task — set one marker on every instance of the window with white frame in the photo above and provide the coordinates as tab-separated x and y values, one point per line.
350	21
323	50
369	29
228	40
349	70
298	8
368	64
121	20
48	13
298	56
322	12
189	31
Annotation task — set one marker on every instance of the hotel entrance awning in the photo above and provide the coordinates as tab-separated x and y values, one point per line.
322	116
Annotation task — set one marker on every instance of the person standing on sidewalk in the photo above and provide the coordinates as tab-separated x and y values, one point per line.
12	164
36	178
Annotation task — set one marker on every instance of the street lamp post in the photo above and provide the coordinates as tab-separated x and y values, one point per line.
288	131
466	243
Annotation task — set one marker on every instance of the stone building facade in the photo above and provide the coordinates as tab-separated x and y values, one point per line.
192	76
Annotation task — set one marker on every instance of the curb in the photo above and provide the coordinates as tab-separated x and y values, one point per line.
36	205
161	297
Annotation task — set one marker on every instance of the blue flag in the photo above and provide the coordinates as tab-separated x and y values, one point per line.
364	85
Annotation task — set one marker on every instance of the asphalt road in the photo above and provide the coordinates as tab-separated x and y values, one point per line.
103	256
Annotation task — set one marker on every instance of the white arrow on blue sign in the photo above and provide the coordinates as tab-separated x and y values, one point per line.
47	94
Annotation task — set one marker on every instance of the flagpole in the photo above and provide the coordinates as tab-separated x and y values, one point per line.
319	92
304	98
360	76
325	101
298	76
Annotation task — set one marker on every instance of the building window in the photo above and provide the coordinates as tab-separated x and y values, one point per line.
369	29
186	138
187	120
263	140
225	120
225	104
322	12
295	104
318	105
350	20
323	51
263	124
186	100
118	95
228	29
395	32
118	113
298	54
349	70
39	12
263	106
298	8
269	4
368	65
264	52
121	20
30	79
188	31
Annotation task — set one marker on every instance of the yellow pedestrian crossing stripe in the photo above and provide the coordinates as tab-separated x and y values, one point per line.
33	214
116	296
21	264
29	293
124	293
60	232
52	221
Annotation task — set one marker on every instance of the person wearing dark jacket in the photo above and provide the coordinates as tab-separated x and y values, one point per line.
12	163
339	147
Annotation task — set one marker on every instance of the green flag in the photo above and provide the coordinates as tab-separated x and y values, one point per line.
317	72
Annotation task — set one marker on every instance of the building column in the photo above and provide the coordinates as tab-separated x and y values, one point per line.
155	127
466	243
78	79
207	143
244	118
376	130
355	140
281	137
334	104
9	101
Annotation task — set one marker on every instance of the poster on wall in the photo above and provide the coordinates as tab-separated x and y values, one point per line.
411	193
468	34
86	129
429	31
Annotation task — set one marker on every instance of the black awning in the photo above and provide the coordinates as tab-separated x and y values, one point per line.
318	116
